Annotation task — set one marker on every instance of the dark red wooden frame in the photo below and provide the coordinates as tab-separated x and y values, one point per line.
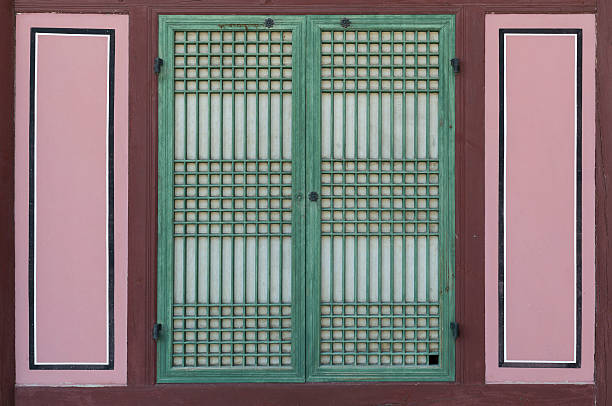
7	201
469	388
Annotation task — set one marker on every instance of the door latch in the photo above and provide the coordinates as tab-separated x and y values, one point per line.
157	327
455	64
313	196
454	329
157	64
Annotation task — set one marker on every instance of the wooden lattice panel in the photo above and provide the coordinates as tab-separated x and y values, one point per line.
232	199
380	206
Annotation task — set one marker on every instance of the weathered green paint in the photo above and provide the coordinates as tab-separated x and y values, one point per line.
445	369
167	372
306	215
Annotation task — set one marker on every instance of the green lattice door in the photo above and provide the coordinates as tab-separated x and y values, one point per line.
305	198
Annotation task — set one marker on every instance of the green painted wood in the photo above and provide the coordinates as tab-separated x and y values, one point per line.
218	336
307	227
336	357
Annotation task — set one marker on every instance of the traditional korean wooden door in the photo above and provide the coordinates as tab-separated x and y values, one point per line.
381	156
305	198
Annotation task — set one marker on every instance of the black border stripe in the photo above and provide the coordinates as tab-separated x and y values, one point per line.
501	241
32	182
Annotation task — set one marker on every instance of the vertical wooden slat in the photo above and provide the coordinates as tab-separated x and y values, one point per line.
603	205
7	224
141	200
469	194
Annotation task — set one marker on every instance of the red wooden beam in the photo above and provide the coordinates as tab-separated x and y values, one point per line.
313	395
469	195
7	199
603	205
142	200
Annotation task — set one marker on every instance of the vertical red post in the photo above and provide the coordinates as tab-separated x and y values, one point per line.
7	223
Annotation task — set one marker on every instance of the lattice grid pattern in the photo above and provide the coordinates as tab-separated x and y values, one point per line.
232	199
379	198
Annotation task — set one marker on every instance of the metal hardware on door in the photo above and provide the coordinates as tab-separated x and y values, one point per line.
455	329
157	64
299	196
455	64
157	328
313	196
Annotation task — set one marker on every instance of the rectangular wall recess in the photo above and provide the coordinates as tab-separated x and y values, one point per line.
540	178
539	198
67	246
71	199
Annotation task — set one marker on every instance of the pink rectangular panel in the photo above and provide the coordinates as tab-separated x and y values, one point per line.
71	255
71	199
539	237
540	198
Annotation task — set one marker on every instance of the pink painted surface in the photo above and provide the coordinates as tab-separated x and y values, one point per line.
540	248
540	175
71	199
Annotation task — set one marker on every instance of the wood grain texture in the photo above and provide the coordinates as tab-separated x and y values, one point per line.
7	199
304	6
142	200
469	144
603	205
313	395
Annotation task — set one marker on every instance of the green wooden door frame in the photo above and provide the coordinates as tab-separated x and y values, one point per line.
306	177
168	25
445	371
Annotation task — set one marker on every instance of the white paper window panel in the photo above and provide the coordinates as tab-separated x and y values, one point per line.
223	114
350	278
350	108
232	264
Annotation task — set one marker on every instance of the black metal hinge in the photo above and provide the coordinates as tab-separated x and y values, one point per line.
157	64
454	329
455	64
157	328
